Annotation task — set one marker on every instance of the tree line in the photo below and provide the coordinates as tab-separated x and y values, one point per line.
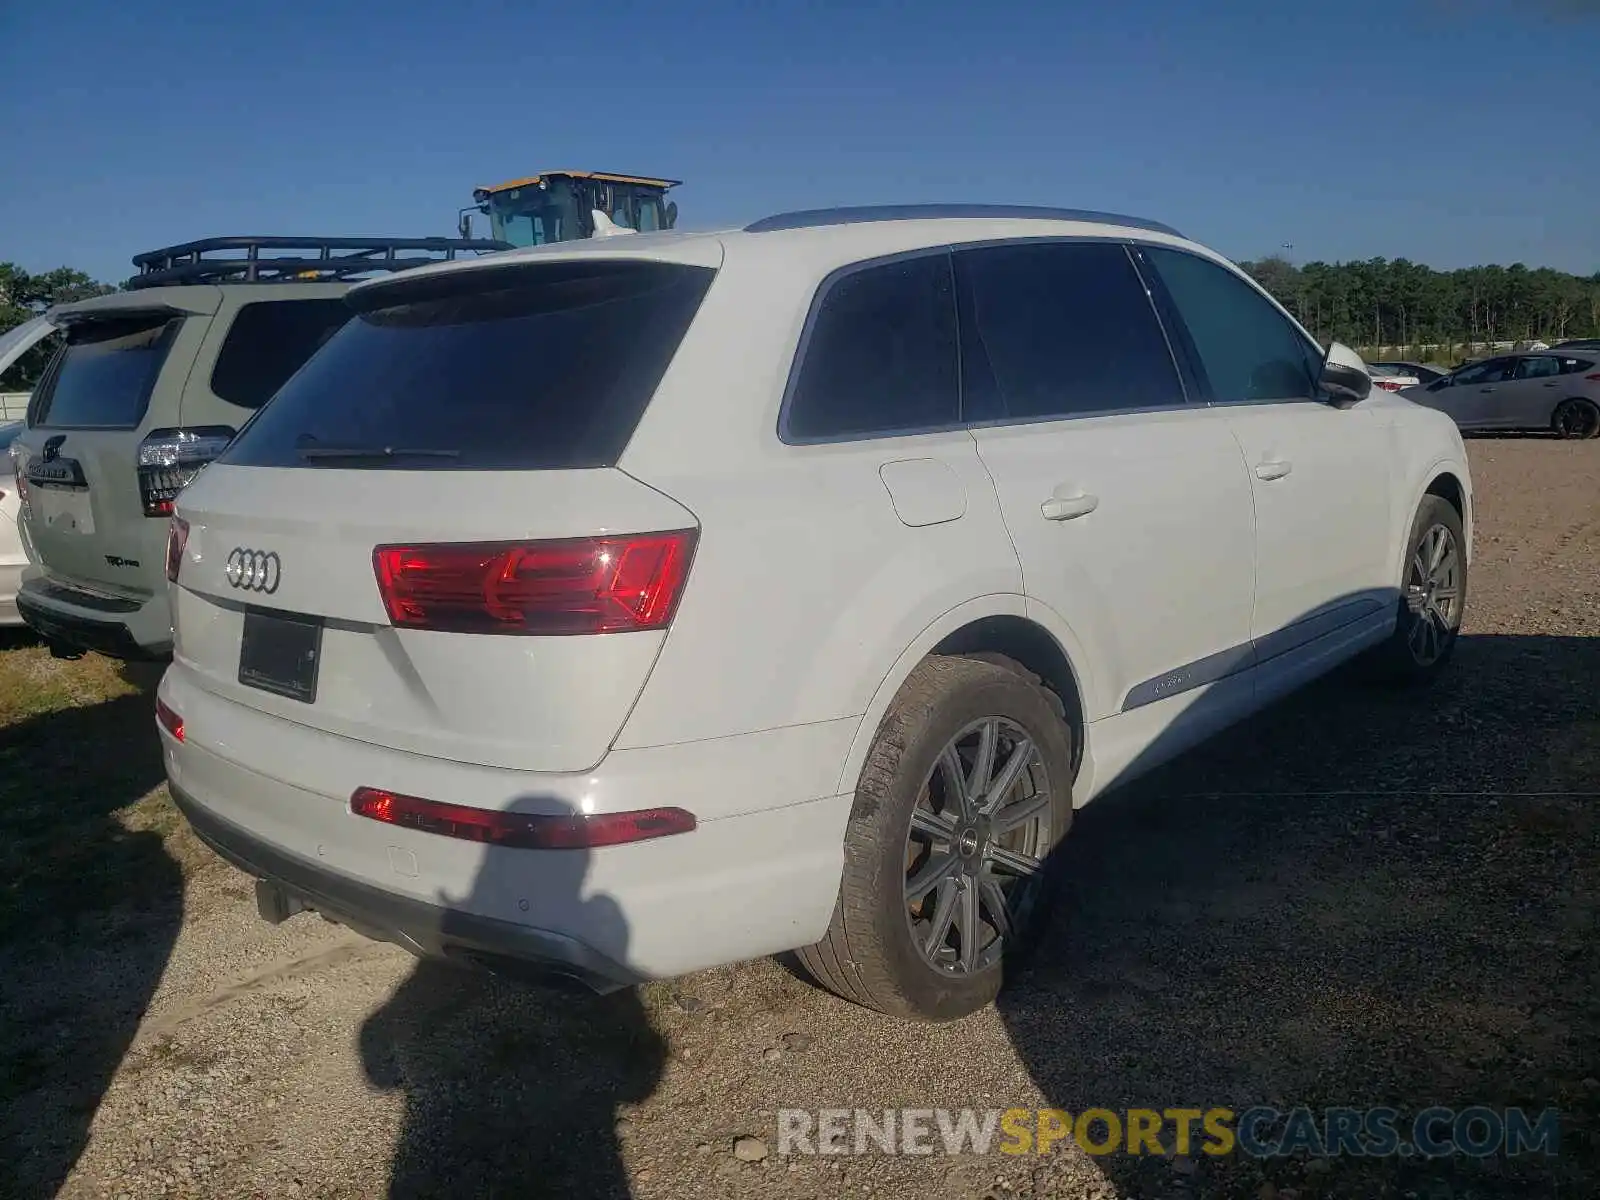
1399	303
24	296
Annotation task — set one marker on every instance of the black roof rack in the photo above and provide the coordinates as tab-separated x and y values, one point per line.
816	217
295	259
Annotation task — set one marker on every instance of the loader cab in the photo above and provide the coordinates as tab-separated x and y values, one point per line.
557	206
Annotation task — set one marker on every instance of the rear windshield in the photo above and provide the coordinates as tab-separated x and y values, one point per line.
103	376
513	368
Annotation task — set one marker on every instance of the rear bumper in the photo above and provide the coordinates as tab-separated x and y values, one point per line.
427	930
121	629
272	796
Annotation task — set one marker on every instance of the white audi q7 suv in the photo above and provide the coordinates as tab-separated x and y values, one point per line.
622	608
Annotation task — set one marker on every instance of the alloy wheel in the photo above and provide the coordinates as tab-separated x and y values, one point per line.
1575	419
975	848
1433	595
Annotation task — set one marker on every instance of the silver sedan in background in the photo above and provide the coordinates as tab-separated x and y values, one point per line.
1554	390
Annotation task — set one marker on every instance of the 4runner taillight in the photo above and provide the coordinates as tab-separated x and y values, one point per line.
169	459
19	468
576	585
177	539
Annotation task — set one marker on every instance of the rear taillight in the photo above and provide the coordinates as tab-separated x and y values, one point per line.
1595	378
1388	385
169	720
19	468
519	830
577	585
177	539
169	459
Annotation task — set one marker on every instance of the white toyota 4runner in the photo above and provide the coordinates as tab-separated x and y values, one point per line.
148	385
630	607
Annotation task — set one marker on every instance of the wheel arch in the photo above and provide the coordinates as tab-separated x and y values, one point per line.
1450	480
993	624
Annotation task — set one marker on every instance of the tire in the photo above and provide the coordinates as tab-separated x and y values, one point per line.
870	954
1576	418
1413	654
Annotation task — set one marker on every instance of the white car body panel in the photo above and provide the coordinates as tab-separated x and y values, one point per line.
823	574
13	550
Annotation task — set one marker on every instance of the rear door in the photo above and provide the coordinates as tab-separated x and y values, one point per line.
424	541
1128	505
119	374
1529	398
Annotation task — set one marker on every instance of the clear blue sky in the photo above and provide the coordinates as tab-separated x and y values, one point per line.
1351	129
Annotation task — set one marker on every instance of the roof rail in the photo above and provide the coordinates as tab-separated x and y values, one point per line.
291	259
813	218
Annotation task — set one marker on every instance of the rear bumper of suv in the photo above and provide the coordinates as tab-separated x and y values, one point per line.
120	628
427	930
272	796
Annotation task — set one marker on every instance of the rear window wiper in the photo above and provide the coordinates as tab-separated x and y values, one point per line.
360	452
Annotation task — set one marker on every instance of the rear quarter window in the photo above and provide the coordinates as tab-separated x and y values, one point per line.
268	342
103	375
546	366
880	357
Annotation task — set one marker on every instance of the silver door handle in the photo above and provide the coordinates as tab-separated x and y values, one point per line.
1064	508
1273	470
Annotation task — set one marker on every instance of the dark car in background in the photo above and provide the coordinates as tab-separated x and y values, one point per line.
1546	389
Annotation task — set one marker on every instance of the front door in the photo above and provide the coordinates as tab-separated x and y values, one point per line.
1473	395
1320	475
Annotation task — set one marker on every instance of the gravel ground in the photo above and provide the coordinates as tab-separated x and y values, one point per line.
1357	899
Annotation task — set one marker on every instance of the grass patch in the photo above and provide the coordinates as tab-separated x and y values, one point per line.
83	813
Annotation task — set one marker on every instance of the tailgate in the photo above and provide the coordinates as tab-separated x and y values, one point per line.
290	553
78	458
467	425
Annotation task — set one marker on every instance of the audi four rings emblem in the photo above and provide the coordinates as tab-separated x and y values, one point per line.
254	570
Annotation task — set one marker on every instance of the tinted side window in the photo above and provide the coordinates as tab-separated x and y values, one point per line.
1247	350
1495	370
1536	368
268	342
103	376
881	357
1571	366
1056	329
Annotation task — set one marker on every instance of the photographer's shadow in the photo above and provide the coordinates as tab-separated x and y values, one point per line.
512	1084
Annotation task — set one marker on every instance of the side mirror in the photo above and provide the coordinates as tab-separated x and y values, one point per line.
672	214
1345	378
